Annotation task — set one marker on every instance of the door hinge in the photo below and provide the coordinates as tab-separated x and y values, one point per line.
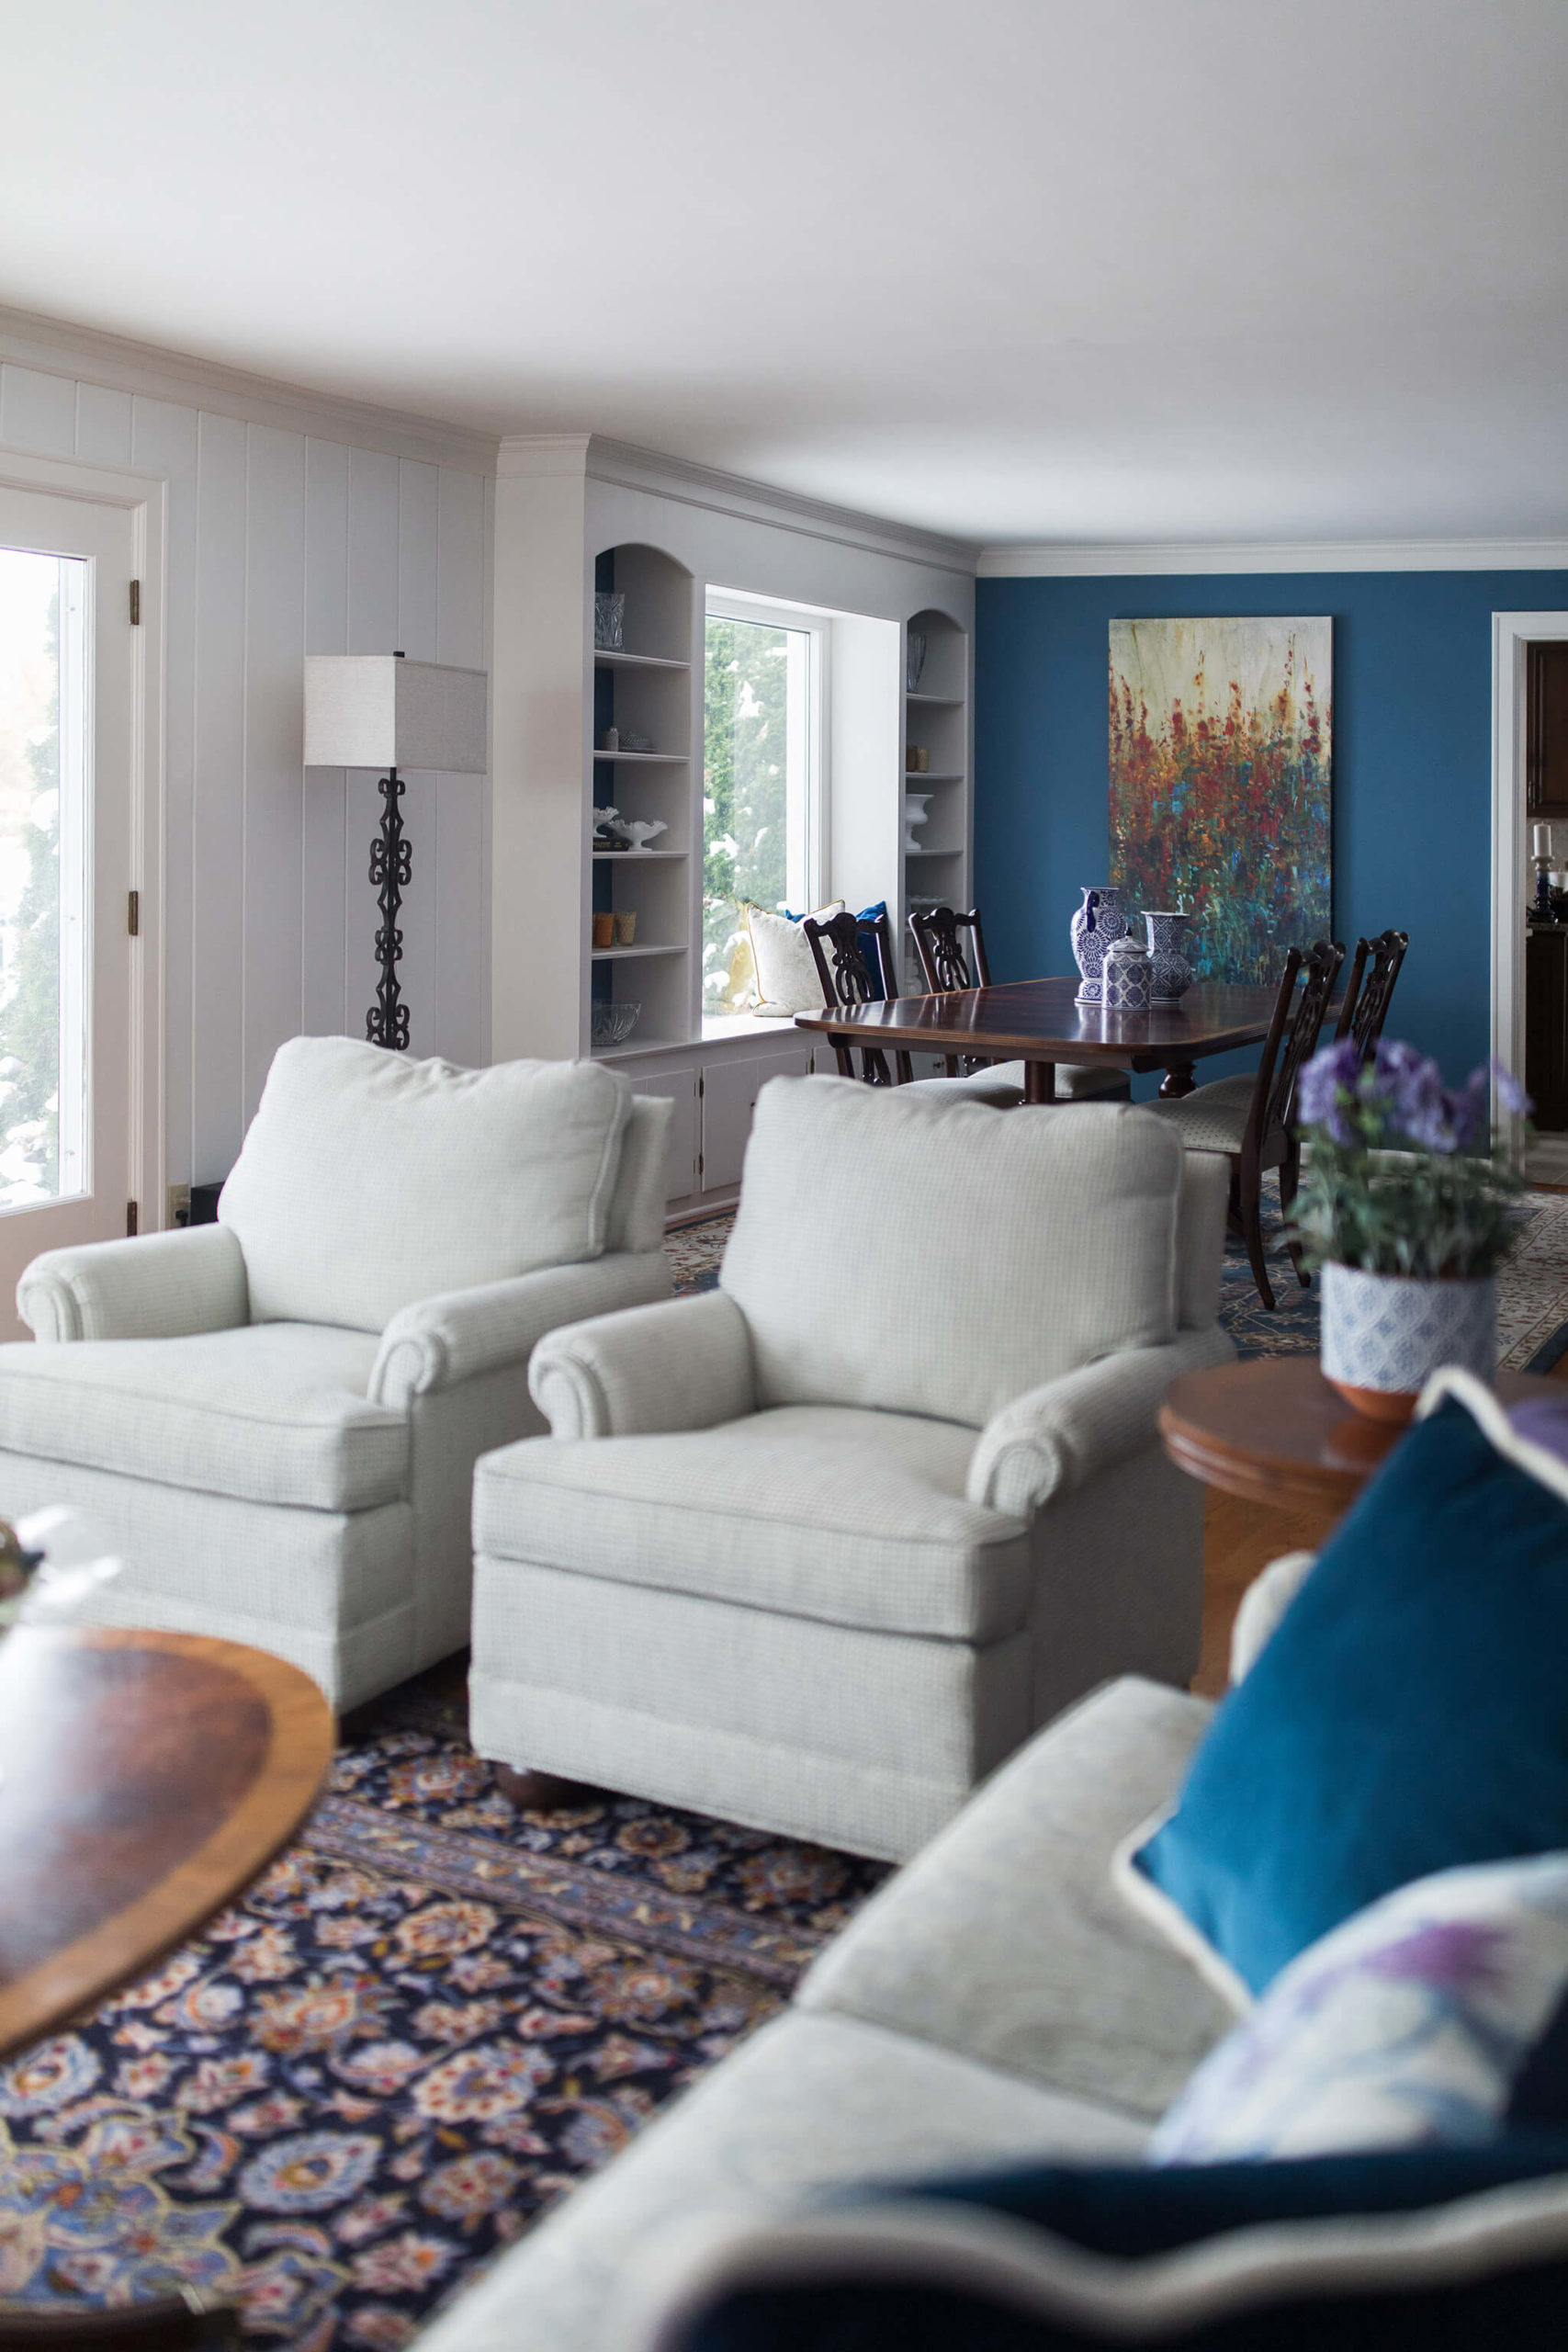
130	1219
133	913
136	603
699	1163
702	1087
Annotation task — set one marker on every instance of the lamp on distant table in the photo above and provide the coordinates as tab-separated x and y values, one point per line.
377	710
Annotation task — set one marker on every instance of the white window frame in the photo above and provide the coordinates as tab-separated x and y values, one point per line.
739	605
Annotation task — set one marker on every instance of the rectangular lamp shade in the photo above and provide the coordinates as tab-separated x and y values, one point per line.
376	710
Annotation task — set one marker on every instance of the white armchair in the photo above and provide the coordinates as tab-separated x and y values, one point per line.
278	1415
818	1550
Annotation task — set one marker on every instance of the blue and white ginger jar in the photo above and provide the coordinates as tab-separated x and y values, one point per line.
1099	923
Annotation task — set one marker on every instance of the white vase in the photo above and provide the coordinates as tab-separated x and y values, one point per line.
917	806
1384	1335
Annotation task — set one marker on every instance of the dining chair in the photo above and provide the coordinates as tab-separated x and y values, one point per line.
845	974
1365	1007
947	967
1253	1121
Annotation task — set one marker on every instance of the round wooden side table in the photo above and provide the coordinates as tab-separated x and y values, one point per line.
1272	1430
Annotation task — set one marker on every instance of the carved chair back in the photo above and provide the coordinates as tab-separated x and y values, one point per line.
1366	1004
946	964
1298	1018
841	966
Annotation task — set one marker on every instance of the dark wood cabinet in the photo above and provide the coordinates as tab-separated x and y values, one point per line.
1546	1026
1546	766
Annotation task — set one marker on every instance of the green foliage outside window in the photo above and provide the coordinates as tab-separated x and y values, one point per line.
745	788
30	992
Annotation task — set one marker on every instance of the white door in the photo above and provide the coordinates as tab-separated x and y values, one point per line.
65	875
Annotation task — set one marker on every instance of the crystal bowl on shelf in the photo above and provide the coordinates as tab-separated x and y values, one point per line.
614	1023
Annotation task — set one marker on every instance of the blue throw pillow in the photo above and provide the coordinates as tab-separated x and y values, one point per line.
1410	1713
896	2277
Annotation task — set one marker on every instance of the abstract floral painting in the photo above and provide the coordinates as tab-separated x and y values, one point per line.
1221	737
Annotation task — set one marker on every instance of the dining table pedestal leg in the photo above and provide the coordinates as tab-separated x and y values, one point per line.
1177	1080
1040	1082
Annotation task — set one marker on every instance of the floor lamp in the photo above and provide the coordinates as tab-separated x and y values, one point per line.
377	710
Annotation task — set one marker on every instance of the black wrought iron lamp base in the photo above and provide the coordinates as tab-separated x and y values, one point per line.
391	869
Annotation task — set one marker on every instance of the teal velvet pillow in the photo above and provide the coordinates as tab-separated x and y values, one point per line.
1409	1714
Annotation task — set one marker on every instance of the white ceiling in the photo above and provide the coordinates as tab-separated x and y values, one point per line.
1018	269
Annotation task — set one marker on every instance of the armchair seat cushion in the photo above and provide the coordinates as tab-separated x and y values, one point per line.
849	1517
269	1413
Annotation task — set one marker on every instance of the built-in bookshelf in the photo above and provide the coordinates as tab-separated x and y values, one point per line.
936	719
644	688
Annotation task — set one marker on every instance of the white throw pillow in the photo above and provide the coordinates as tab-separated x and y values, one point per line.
368	1182
898	1249
782	959
1409	2025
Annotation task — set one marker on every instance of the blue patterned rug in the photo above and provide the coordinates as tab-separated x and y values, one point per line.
426	2022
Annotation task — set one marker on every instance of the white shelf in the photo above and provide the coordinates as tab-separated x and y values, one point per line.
917	777
646	759
937	702
605	660
933	852
636	856
617	954
635	1045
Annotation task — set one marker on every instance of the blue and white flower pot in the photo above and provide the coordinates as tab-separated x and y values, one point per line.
1099	923
1384	1335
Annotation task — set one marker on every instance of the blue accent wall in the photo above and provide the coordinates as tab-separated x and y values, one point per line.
1412	765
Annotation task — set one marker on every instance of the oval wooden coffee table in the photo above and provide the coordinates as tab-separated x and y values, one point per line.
145	1778
1272	1430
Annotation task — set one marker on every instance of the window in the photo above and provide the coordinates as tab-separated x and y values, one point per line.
43	731
764	692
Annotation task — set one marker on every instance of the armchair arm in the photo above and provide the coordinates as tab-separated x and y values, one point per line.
1054	1439
439	1341
683	1365
160	1286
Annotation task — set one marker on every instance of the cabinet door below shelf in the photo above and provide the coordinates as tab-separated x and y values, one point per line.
729	1097
1546	1027
679	1087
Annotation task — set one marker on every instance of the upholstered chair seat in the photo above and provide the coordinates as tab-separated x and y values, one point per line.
276	1418
815	1551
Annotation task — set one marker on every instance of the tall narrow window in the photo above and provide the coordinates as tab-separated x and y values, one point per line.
762	782
43	769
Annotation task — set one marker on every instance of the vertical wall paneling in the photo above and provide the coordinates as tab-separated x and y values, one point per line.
461	899
372	628
321	889
163	441
274	812
217	815
419	493
102	425
37	412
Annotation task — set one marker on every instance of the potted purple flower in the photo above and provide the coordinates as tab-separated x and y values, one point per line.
1408	1205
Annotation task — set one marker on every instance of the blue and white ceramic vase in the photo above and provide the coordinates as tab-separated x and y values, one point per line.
1172	972
1127	977
1099	923
1384	1335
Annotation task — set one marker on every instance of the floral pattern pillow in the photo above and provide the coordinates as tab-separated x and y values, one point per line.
1408	2025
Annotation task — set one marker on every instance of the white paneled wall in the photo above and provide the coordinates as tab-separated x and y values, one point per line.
281	544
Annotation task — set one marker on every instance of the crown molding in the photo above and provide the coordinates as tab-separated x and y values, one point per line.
58	348
539	457
755	502
1066	559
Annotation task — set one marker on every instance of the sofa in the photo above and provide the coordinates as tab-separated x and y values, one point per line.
815	1552
997	2000
276	1418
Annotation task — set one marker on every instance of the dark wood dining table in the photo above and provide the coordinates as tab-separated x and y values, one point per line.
1040	1023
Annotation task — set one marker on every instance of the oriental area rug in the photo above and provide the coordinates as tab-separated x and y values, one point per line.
434	2015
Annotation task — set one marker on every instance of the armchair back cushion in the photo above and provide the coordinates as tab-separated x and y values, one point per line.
368	1182
898	1251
